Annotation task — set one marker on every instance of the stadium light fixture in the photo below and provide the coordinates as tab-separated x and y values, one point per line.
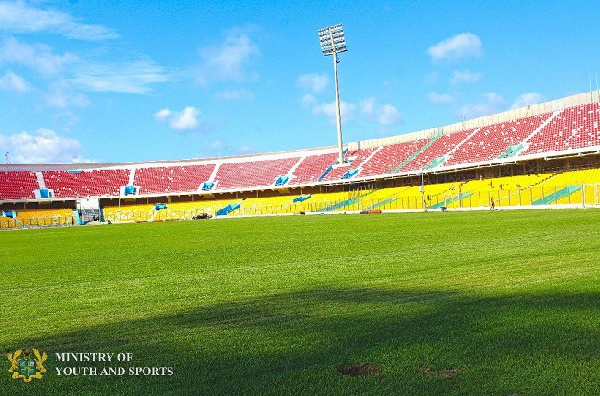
333	42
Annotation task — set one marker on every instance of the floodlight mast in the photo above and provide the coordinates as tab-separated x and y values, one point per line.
333	42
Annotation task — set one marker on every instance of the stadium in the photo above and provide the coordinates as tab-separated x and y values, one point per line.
536	156
457	259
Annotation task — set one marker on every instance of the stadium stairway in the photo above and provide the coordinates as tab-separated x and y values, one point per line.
543	192
511	151
556	195
380	197
448	201
228	209
355	200
325	173
414	155
339	205
435	162
383	203
330	167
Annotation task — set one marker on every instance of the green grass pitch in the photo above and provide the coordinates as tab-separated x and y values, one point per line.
473	303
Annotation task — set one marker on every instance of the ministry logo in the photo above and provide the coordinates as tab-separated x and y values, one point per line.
22	365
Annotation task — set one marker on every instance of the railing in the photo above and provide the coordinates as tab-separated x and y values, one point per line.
587	195
38	221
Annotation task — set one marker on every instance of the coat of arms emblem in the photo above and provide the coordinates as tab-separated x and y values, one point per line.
24	366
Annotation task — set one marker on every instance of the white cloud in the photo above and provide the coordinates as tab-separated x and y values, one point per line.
367	105
42	146
135	76
368	109
388	115
314	82
458	46
329	110
384	115
185	119
229	60
441	99
13	82
20	17
127	76
38	57
308	100
465	76
162	114
528	99
240	94
62	95
494	103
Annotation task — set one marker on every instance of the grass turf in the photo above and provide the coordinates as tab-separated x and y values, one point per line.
490	303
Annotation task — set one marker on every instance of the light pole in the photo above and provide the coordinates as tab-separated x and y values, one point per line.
422	188
333	42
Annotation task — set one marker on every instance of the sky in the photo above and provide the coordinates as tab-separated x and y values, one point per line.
123	81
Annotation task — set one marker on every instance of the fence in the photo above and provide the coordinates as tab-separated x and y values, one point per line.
37	221
587	195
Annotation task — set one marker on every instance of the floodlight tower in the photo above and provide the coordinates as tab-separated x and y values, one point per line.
333	42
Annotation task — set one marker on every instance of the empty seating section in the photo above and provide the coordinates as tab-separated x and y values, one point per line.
570	129
574	128
568	188
250	206
506	191
518	190
259	206
6	222
589	180
45	217
126	212
378	199
86	183
316	203
491	141
389	157
38	217
407	197
442	146
252	173
355	158
311	168
186	210
574	178
17	185
159	180
174	211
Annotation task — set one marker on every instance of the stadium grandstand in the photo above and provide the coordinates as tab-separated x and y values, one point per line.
536	156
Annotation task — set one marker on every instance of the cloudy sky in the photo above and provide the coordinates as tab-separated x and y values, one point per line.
134	81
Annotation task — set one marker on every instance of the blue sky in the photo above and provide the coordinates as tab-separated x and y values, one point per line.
120	81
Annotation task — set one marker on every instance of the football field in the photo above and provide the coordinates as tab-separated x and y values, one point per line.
471	303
